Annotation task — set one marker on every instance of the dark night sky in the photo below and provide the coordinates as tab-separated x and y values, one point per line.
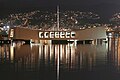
33	3
102	7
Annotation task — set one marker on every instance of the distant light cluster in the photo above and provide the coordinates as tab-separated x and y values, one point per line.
115	19
46	19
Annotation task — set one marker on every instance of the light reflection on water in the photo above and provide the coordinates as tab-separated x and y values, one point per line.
55	60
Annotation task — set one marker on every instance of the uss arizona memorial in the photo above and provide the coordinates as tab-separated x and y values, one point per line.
40	36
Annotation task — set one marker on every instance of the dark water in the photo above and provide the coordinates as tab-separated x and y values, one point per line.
59	62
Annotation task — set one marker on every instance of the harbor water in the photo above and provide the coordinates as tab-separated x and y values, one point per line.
60	61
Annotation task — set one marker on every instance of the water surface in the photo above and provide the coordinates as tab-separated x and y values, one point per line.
59	62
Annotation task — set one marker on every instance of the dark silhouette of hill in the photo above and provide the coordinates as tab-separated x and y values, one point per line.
104	10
